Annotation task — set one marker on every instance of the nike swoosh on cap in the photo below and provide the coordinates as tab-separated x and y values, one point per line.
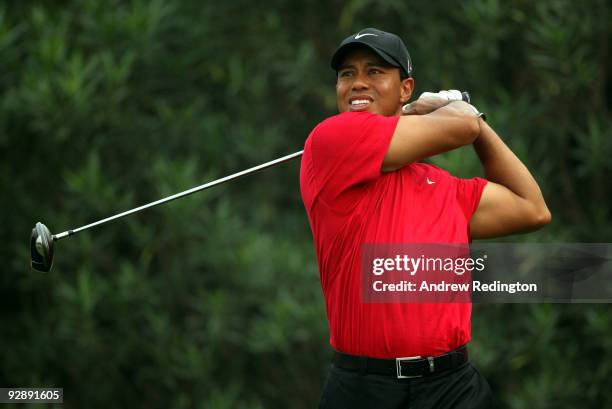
358	36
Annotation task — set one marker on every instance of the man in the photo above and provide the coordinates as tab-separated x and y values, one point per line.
362	182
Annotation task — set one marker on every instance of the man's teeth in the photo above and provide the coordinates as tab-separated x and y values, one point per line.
360	102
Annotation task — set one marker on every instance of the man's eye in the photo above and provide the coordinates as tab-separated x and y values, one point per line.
375	71
345	73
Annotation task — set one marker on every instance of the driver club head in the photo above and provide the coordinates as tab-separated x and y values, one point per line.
41	248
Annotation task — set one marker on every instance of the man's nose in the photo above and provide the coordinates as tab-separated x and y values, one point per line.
360	82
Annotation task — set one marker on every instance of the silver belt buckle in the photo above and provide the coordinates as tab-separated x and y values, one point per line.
398	366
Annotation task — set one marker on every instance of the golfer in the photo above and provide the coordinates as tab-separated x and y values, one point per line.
362	181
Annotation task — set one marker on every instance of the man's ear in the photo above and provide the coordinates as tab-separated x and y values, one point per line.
406	89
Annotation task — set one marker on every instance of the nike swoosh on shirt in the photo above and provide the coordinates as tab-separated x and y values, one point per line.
429	182
358	36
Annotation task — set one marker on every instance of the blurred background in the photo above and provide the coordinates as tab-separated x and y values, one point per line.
214	301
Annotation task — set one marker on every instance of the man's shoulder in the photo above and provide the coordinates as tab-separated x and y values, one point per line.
328	127
338	120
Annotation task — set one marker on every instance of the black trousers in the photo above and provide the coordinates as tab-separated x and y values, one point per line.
461	388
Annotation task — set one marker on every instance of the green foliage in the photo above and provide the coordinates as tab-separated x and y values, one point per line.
214	300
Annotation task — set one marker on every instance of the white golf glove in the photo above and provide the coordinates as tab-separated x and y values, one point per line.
445	95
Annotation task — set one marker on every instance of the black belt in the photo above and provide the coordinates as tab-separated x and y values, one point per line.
407	367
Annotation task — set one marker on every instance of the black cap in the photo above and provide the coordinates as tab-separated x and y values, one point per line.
388	46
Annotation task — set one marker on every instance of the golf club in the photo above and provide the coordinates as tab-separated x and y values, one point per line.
42	240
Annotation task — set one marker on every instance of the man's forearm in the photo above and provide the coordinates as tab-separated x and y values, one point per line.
502	166
421	136
457	108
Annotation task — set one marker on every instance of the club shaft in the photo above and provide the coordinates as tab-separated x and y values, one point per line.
205	186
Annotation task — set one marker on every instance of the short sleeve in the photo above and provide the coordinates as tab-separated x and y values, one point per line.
349	149
469	192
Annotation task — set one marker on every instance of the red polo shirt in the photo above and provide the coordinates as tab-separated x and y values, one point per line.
349	201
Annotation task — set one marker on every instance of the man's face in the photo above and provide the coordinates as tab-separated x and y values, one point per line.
366	82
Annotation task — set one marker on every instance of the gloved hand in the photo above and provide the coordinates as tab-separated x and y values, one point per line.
430	101
447	95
